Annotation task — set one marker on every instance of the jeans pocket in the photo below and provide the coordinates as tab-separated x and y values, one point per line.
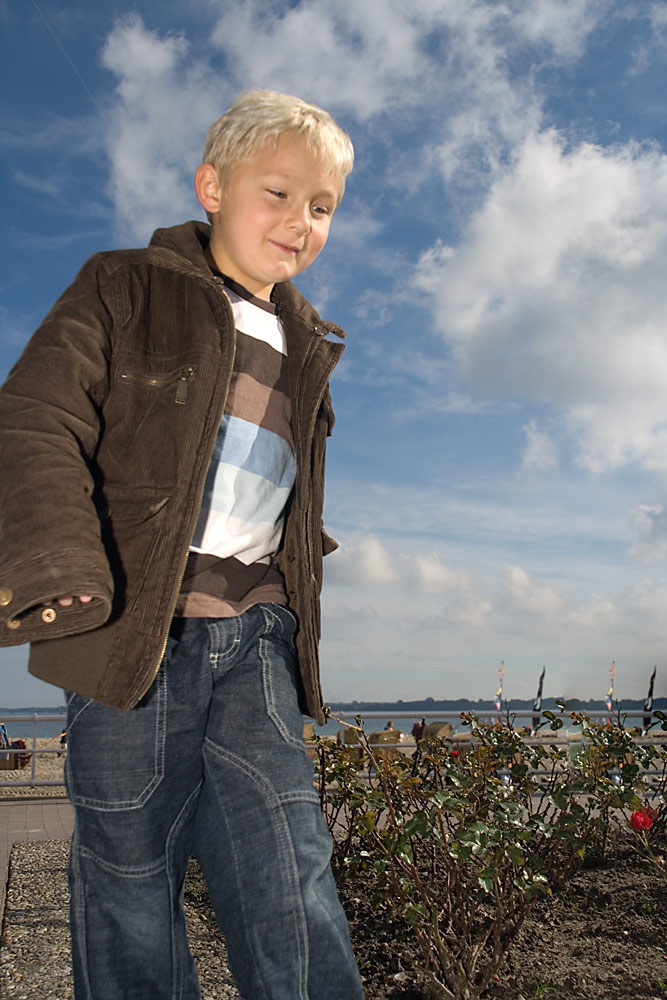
116	759
280	674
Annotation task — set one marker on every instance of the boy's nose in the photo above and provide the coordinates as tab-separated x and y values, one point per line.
300	220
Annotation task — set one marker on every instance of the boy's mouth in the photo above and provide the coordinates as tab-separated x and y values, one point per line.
285	247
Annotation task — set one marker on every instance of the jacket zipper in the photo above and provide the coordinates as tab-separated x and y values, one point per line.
200	495
181	378
309	515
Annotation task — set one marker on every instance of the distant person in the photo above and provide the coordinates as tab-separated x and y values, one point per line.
63	743
163	440
418	729
389	727
418	732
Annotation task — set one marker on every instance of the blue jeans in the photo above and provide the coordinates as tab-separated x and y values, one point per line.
211	763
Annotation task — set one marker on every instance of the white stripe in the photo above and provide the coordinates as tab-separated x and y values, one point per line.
256	322
249	543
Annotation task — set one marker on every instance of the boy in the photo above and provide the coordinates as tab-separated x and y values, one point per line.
165	429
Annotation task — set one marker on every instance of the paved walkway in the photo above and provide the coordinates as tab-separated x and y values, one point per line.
30	819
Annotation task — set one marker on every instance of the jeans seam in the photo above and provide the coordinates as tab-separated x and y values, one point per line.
82	709
78	903
267	684
247	769
177	979
298	796
275	801
142	871
216	656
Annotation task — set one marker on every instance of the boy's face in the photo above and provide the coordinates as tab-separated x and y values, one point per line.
272	217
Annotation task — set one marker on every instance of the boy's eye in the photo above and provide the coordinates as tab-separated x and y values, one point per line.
321	210
278	194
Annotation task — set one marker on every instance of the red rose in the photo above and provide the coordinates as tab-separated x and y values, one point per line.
641	821
455	753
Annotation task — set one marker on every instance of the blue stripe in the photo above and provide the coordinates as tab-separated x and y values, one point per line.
255	449
251	475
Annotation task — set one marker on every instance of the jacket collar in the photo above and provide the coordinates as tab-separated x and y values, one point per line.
189	241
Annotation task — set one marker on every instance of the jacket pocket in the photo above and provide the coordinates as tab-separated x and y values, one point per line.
147	419
180	378
134	523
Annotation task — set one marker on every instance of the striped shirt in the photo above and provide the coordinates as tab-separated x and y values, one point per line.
250	477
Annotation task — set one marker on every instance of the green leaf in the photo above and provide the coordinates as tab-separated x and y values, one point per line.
515	855
487	881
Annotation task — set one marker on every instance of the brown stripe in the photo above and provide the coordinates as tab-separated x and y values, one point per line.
261	406
210	583
257	358
204	606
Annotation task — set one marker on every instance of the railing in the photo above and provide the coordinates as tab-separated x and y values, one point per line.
33	749
487	715
491	715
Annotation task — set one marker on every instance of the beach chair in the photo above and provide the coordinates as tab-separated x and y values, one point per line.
378	741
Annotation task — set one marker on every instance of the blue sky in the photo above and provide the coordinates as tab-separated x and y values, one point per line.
498	474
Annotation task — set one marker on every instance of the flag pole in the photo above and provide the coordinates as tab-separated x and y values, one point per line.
537	704
609	700
648	704
499	692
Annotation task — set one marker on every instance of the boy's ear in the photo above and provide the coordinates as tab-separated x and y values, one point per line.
207	187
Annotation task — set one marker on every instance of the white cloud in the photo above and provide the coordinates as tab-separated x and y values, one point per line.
165	101
598	612
562	26
541	451
368	563
658	17
650	524
433	577
557	293
470	611
646	605
530	597
359	55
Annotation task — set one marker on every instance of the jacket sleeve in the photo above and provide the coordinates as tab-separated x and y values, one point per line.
50	537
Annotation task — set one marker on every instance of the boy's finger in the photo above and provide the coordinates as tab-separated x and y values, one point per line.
67	600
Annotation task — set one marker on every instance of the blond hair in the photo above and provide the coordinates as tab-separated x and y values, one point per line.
259	116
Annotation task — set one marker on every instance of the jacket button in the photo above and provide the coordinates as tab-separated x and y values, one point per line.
6	596
48	615
14	623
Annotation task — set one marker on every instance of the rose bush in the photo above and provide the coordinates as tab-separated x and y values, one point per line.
461	842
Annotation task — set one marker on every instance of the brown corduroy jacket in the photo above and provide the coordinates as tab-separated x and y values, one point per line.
107	425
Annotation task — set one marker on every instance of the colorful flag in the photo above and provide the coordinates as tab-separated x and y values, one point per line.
610	692
499	692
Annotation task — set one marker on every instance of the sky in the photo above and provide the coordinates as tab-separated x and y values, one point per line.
497	478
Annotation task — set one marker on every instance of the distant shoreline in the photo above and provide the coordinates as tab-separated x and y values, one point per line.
426	705
429	705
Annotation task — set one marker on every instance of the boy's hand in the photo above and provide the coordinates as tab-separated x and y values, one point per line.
68	600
